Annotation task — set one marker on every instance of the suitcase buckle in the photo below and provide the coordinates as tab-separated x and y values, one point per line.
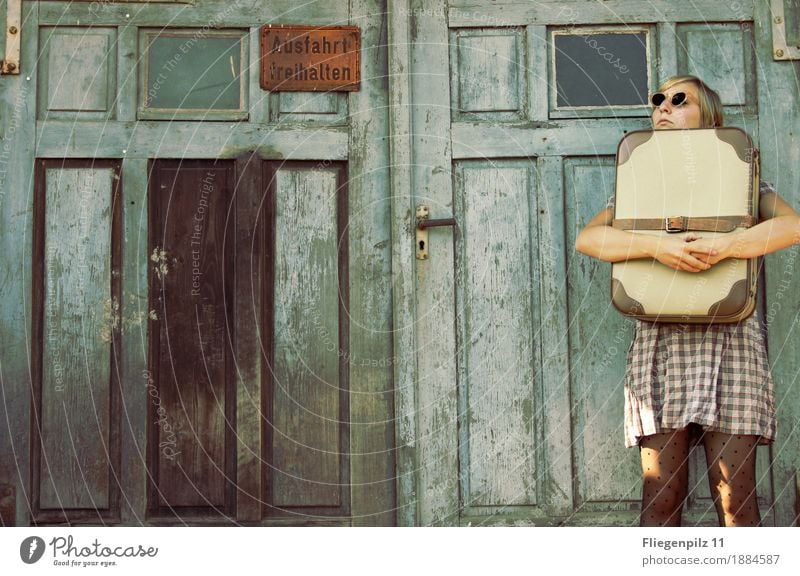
675	224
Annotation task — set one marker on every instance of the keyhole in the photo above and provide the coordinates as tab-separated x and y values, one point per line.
422	245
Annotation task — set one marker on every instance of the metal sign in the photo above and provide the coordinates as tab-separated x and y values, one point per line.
310	58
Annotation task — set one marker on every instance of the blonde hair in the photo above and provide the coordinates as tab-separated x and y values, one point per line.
709	101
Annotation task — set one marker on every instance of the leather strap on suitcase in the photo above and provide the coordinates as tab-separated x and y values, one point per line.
685	223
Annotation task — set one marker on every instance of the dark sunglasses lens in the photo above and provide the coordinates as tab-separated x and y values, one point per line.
657	99
679	98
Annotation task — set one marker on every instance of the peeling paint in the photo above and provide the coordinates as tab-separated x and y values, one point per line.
111	319
160	258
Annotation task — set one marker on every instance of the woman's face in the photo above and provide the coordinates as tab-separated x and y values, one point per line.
687	115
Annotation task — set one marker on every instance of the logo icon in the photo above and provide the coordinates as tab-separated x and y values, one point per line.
31	550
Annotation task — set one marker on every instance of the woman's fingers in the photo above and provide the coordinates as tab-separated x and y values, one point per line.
689	263
701	249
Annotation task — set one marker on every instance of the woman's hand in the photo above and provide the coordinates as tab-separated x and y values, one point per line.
721	247
686	252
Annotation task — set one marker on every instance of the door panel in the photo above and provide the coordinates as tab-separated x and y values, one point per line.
76	318
609	475
191	390
307	386
499	384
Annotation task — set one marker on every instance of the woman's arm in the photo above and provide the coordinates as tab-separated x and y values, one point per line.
779	229
599	240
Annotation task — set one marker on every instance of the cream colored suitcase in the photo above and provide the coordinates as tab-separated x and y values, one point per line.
672	181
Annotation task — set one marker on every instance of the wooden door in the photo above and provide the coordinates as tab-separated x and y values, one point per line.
218	343
191	383
520	355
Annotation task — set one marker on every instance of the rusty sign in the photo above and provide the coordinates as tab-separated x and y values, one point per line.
310	58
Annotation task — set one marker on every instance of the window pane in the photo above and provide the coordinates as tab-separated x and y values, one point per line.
189	72
601	69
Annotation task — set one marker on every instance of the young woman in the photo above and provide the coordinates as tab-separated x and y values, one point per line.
705	383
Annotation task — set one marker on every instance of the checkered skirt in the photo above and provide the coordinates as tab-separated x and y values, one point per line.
714	375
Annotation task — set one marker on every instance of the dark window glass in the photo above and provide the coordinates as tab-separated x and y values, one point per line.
190	72
601	69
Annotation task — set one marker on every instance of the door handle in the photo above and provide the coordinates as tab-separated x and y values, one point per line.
424	221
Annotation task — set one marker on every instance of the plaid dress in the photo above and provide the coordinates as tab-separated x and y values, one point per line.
713	375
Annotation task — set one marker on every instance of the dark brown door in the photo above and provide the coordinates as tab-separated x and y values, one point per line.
191	387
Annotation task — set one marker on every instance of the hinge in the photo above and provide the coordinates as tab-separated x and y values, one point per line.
780	47
13	33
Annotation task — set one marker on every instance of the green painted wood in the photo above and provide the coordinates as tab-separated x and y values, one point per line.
79	319
127	58
203	14
135	374
485	13
778	120
58	139
437	401
497	311
599	338
309	107
667	51
555	438
370	364
403	265
489	79
628	519
536	70
17	121
722	55
258	99
589	137
78	73
307	391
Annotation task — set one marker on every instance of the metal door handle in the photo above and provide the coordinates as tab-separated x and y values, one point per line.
423	223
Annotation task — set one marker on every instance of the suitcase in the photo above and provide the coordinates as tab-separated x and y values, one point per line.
671	181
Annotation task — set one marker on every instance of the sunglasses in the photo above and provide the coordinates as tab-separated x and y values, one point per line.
678	99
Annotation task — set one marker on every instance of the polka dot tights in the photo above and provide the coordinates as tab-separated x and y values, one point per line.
731	473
